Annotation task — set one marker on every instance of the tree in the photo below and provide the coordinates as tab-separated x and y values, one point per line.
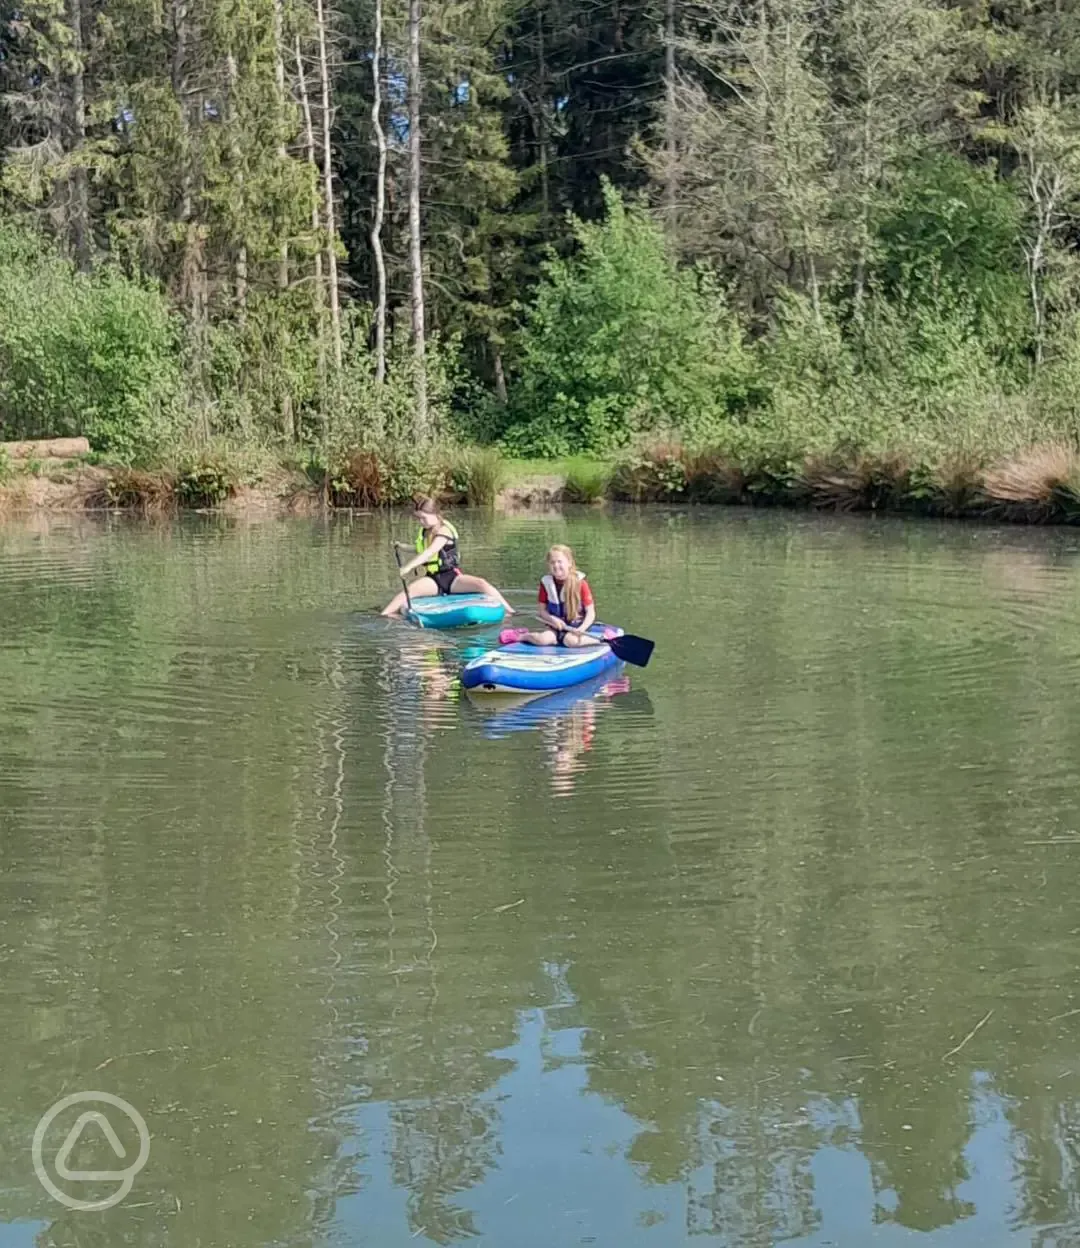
621	342
756	180
416	255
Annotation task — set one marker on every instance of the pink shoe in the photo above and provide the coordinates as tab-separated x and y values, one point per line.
509	635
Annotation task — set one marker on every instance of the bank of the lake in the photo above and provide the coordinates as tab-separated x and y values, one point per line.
1039	484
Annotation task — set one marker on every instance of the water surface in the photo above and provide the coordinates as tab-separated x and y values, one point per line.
775	942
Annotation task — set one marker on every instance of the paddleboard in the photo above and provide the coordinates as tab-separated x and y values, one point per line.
519	668
455	611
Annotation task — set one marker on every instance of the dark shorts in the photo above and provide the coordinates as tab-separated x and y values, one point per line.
560	633
445	579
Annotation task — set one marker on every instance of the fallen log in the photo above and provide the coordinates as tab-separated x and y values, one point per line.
49	448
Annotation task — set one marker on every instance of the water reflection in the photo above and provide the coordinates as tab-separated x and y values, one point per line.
566	722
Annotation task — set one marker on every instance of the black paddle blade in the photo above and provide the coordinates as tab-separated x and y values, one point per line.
631	649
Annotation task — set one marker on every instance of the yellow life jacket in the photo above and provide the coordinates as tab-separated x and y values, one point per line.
447	557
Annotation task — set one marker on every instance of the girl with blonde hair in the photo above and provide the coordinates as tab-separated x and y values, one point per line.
566	604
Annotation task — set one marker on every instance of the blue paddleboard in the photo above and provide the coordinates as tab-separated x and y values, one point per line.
455	611
519	668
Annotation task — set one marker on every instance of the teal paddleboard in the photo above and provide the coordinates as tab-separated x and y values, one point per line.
455	611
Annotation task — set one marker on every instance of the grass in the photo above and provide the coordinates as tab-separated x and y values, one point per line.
1036	484
581	467
473	475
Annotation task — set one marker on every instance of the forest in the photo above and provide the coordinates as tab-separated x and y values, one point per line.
773	232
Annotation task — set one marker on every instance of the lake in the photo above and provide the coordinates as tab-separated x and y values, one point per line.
774	942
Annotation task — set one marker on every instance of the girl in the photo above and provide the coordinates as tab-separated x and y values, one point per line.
566	604
437	553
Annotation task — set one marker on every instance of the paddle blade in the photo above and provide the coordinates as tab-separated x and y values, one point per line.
631	649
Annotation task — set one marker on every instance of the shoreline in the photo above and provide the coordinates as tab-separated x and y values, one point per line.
1030	491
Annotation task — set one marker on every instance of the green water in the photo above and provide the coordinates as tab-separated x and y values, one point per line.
774	942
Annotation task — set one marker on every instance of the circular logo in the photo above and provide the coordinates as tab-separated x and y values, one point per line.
125	1177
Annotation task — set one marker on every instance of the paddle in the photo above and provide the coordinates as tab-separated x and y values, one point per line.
405	587
629	648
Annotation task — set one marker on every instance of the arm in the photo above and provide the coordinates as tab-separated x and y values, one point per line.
588	621
552	621
425	555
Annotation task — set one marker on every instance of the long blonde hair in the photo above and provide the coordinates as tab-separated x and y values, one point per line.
571	594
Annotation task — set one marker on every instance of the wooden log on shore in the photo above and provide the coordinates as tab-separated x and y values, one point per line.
49	448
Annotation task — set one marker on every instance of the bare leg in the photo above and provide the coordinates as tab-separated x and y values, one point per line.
546	638
422	587
578	639
465	584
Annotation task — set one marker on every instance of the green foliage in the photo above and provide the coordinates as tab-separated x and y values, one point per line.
7	470
950	240
586	483
620	342
83	355
657	475
205	484
474	476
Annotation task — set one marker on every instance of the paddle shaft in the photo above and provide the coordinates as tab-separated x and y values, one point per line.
404	582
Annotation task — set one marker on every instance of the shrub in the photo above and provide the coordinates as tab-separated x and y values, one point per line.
358	482
1036	485
952	233
655	475
135	489
95	355
586	483
206	484
620	341
474	476
714	477
862	482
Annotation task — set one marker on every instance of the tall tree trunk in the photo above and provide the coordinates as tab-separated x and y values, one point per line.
309	139
192	283
864	210
241	263
542	119
80	198
416	258
500	378
380	201
670	145
287	423
328	187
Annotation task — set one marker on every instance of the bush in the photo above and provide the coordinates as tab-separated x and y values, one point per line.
621	342
474	476
952	231
206	484
656	475
586	483
135	489
95	355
